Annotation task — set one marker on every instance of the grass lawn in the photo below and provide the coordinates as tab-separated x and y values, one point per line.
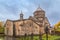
50	37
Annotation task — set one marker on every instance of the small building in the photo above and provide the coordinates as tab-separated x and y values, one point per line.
34	24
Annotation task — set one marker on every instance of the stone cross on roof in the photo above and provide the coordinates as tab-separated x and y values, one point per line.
39	9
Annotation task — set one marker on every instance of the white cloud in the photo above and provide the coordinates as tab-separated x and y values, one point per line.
10	9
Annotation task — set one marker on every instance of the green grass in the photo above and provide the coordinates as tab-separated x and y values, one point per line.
50	37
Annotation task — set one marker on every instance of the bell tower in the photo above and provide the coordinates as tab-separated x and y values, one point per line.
21	16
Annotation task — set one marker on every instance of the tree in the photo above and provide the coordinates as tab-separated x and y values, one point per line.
1	27
1	23
57	26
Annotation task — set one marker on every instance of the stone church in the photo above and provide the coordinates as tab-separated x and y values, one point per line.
34	24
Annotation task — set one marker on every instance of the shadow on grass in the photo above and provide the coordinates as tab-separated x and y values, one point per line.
57	39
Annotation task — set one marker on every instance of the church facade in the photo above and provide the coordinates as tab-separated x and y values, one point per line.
34	24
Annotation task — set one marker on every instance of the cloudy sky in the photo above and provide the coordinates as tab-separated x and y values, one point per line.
10	9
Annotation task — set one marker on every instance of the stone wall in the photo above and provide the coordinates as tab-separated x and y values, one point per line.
9	28
27	27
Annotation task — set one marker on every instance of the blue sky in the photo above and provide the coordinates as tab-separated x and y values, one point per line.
10	9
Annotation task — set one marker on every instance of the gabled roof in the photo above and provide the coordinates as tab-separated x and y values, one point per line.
6	22
19	20
46	19
14	20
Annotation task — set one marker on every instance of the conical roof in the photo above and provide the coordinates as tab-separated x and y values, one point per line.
21	13
39	9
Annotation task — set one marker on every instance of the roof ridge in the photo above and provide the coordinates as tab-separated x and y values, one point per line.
36	23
